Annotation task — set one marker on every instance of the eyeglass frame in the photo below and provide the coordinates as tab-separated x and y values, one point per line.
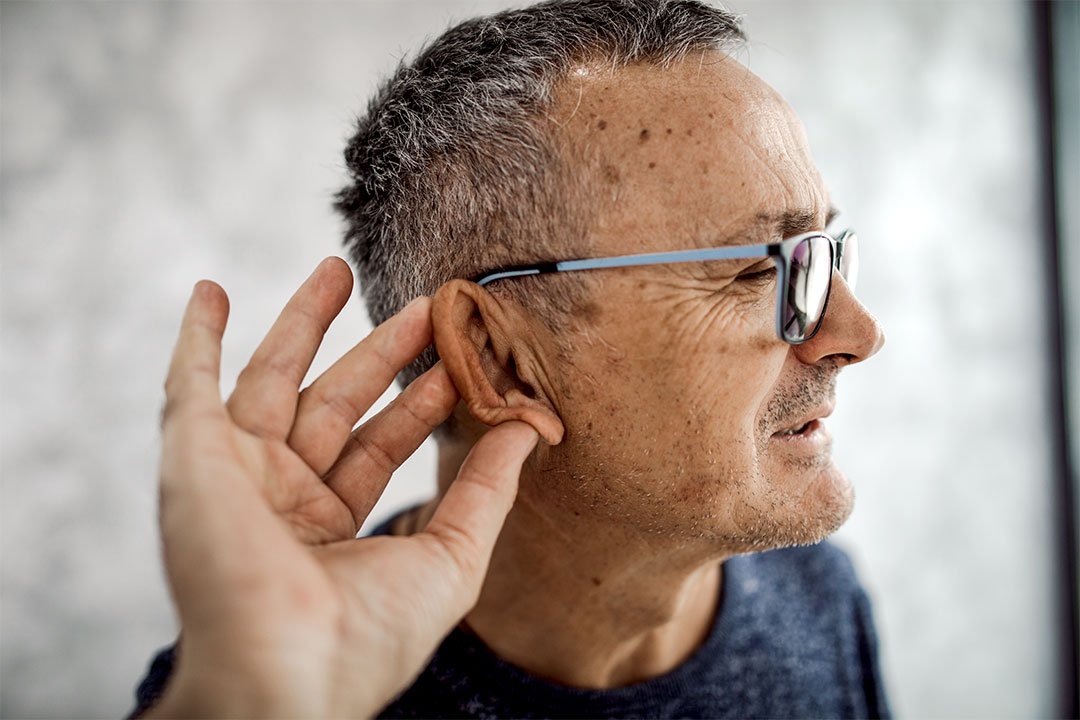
781	253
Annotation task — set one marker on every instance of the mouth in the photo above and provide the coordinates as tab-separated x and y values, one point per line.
808	427
801	430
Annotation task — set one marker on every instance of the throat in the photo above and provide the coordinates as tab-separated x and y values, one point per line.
587	625
584	601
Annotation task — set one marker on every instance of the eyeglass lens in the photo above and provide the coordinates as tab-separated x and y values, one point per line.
849	261
807	288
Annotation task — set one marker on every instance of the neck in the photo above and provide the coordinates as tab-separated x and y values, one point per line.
584	602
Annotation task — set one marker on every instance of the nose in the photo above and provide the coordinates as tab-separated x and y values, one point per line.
848	331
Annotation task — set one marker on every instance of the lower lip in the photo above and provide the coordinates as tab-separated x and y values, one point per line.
815	436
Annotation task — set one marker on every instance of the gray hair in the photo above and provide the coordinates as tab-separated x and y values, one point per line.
455	167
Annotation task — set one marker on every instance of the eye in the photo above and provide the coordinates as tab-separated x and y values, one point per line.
760	276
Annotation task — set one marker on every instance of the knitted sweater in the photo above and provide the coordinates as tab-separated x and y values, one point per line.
793	637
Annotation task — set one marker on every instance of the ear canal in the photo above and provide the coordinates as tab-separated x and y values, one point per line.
476	343
525	389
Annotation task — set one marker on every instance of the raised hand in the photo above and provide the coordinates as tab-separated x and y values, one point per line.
283	611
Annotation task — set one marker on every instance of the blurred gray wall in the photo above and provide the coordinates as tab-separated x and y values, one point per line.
144	146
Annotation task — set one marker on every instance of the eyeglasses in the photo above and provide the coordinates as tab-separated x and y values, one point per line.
804	266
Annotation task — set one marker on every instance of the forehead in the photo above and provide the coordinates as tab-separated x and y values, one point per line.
684	155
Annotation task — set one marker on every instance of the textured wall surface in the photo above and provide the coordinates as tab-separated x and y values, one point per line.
147	145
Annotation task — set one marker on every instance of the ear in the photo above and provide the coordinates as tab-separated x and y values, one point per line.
478	346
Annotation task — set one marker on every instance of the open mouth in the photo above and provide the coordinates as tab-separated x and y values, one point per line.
803	430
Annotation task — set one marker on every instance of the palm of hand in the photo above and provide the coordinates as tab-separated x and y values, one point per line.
337	595
261	499
314	512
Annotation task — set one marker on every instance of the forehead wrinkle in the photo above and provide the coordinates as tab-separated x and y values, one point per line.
660	219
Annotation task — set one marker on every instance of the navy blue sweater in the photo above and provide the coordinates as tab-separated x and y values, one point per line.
793	637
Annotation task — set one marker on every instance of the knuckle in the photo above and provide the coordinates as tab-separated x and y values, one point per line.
309	317
377	347
425	404
176	394
262	426
383	461
275	366
462	554
339	405
168	411
171	387
482	479
178	412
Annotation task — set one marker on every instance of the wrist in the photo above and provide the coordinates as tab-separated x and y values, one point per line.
187	698
216	694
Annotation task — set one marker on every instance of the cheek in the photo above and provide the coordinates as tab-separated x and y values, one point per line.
725	357
732	390
674	389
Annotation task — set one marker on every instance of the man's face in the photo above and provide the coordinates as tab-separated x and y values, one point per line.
677	390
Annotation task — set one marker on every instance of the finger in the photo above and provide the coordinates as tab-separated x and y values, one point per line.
470	516
379	447
329	408
193	377
264	400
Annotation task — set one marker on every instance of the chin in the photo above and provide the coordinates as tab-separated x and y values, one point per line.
795	511
829	502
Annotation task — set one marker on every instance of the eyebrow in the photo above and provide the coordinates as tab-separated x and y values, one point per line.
794	221
787	224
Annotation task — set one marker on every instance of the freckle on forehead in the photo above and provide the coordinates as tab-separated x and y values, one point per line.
602	124
644	135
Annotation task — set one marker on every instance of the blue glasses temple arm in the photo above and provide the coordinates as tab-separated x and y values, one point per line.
676	256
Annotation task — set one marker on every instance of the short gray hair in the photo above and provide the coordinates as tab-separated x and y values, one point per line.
454	167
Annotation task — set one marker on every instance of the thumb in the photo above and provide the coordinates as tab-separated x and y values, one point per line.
470	516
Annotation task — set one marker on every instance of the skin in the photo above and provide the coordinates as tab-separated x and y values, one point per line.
261	497
660	419
661	457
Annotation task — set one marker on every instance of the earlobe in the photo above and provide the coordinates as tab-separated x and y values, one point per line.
475	343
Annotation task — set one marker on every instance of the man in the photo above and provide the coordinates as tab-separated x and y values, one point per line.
663	554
